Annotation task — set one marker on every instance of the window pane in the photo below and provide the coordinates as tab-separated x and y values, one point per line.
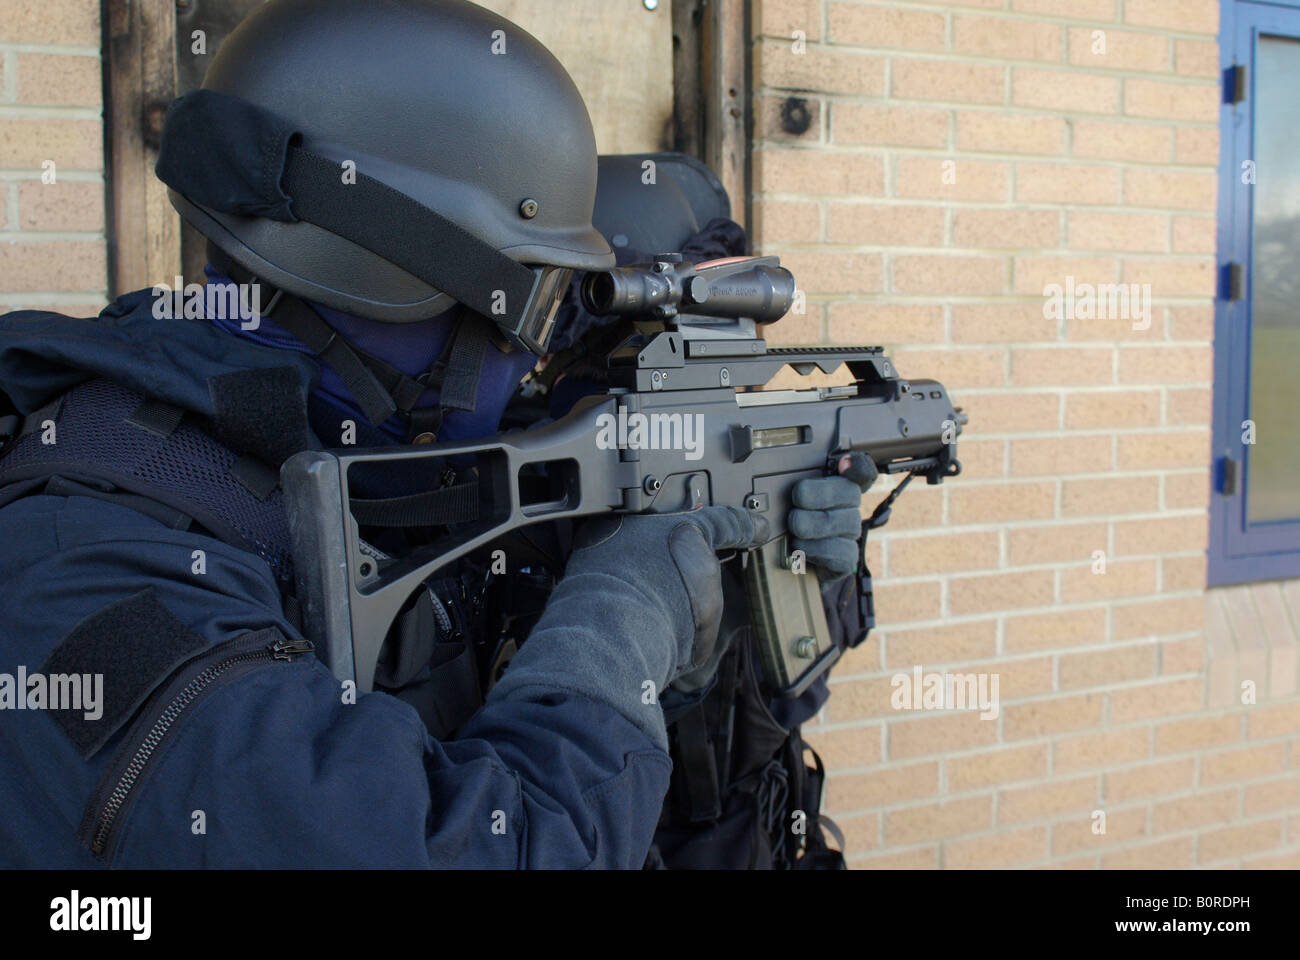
1273	468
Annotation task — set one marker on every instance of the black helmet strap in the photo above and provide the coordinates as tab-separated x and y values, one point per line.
233	156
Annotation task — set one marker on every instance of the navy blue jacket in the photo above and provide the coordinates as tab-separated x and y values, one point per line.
268	766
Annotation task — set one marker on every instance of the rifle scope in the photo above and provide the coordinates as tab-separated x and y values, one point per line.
755	288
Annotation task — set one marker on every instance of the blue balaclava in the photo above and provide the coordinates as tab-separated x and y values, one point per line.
412	348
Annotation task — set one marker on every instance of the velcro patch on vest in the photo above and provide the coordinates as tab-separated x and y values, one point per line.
261	412
127	649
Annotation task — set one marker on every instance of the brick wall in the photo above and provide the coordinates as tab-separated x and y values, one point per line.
52	246
961	156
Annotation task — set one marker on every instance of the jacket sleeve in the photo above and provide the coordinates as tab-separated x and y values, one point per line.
285	769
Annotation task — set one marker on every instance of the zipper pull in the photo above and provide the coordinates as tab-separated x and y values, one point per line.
286	649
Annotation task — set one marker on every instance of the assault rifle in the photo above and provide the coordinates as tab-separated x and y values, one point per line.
683	424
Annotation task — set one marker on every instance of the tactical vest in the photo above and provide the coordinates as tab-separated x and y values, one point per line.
742	796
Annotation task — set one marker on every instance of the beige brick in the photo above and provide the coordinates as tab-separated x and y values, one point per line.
73	144
888	125
1009	132
1157	617
835	272
1103	10
1062	366
1130	578
1185	16
1047	631
919	858
1187	492
1121	50
1109	496
781	18
1101	668
885	27
1164	535
1185	448
1198	146
1161	699
892	785
897	602
781	221
948	81
1121	140
1135	232
1170	189
1047	717
938	821
1188	407
1000	322
865	657
996	767
983	459
841	749
937	274
861	834
1001	503
1274	795
885	323
1198	733
1093	750
942	553
1272	720
64	265
1051	276
885	225
1047	800
63	79
1012	413
1006	229
1234	842
914	512
1283	861
1195	235
1005	849
1191	322
949	643
818	172
801	329
957	369
1054	544
1070	183
62	205
1150	780
1112	410
1000	591
63	22
1058	456
1175	854
1183	573
859	699
1077	834
1070	91
1117	323
1181	656
1166	365
1196	58
1183	277
939	734
1005	39
820	69
940	178
1192	813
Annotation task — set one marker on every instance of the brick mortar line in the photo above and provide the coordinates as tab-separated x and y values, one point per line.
67	50
49	112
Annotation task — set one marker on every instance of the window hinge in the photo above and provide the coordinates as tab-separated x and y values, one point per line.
1231	281
1234	84
1229	476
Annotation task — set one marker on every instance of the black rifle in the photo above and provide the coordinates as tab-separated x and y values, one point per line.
682	425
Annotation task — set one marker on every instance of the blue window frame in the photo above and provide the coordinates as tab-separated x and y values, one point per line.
1255	501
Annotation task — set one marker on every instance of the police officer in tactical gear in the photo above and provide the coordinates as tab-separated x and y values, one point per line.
410	187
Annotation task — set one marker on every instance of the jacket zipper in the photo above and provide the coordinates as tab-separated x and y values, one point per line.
280	649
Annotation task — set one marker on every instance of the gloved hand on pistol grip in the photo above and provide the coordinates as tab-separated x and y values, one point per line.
672	560
826	523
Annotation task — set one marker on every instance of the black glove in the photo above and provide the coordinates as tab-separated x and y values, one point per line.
826	523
